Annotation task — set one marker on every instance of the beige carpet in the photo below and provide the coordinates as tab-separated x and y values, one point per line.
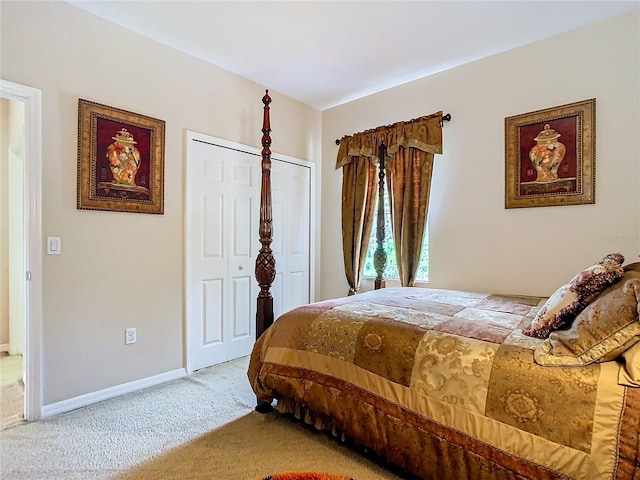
200	427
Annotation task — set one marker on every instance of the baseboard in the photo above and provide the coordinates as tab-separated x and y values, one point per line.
95	397
4	347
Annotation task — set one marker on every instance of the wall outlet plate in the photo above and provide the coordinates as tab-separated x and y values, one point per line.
130	336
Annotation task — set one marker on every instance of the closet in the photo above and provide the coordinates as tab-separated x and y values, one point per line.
222	241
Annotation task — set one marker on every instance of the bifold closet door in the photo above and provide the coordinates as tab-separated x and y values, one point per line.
223	216
291	194
222	242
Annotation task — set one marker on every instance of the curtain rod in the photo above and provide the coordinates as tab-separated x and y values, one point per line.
445	118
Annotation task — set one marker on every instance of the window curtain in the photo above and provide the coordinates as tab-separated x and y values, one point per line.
359	195
410	148
409	184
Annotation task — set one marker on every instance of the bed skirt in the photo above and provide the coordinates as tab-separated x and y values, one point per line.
415	444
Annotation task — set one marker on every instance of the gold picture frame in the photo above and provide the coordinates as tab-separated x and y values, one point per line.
550	156
120	160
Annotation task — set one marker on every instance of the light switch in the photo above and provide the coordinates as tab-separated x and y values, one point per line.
54	246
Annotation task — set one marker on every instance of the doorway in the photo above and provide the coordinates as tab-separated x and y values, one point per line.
21	266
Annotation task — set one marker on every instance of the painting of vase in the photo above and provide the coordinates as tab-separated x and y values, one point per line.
547	164
120	160
124	159
550	156
547	155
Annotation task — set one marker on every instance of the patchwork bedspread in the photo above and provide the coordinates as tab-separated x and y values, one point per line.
443	383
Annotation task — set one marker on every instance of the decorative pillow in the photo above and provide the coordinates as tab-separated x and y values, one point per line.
601	332
629	373
570	299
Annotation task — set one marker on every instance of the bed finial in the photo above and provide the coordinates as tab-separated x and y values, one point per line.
265	261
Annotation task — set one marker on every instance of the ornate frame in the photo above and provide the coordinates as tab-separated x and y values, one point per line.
120	160
550	156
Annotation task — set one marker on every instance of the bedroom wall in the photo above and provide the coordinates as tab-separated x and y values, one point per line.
120	270
475	243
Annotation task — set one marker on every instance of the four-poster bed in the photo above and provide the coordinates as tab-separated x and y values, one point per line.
444	383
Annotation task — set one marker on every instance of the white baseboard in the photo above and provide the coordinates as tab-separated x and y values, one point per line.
4	347
95	397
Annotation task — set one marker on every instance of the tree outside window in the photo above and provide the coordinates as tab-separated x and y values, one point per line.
391	270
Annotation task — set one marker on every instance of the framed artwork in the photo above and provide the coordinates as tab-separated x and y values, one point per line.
550	156
120	160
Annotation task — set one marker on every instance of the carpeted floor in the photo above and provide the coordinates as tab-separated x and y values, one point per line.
200	427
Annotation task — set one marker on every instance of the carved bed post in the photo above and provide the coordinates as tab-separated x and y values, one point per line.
265	261
380	256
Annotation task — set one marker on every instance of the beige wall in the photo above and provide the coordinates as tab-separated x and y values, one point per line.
477	244
120	270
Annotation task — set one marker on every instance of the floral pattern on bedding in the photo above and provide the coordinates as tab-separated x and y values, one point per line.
533	398
454	369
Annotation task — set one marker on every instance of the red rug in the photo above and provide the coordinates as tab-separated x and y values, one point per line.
305	476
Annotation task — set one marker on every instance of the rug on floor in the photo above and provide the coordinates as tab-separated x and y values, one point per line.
305	476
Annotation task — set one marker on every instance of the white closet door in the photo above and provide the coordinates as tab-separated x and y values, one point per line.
222	240
206	258
278	207
244	194
222	245
291	185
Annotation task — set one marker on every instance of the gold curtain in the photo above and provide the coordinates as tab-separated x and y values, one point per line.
409	184
410	147
359	195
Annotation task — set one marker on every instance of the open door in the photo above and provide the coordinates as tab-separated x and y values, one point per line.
28	270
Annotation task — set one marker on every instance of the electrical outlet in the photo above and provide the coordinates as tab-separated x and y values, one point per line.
129	336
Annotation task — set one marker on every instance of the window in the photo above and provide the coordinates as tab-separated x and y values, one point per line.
391	270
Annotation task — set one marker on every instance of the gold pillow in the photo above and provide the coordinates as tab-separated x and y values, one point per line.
629	373
602	331
570	299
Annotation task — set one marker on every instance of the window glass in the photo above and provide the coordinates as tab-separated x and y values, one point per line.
391	269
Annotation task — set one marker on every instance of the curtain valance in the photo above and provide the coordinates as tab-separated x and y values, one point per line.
424	133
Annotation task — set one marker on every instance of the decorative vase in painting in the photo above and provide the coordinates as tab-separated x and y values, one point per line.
124	159
547	155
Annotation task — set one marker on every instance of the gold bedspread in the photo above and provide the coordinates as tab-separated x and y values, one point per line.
443	383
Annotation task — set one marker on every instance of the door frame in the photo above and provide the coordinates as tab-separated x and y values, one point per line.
31	98
195	136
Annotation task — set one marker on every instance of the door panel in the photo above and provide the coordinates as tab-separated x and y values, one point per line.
212	312
241	307
206	260
245	192
242	228
277	292
212	226
291	199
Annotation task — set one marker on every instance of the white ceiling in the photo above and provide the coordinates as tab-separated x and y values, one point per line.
325	53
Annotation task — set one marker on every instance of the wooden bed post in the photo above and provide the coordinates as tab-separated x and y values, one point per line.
380	256
265	261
